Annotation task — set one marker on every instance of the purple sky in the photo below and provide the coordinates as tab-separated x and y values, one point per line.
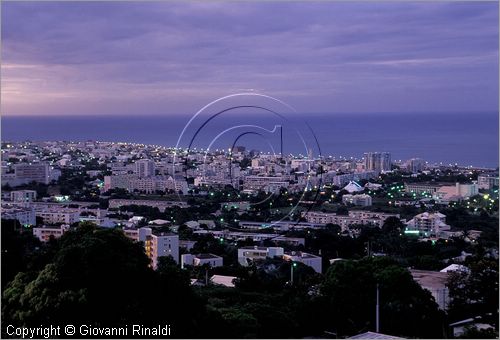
174	57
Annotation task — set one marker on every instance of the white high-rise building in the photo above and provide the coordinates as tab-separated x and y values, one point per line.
377	161
145	168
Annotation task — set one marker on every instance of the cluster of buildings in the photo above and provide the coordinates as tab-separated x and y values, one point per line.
247	255
149	169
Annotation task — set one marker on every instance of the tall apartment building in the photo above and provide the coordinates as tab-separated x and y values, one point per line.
145	168
159	245
377	161
415	165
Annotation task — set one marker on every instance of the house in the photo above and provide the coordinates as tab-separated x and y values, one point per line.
455	268
209	223
310	260
188	244
460	327
192	225
373	186
200	260
159	222
435	282
248	254
223	280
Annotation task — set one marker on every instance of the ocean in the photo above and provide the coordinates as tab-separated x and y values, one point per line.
466	139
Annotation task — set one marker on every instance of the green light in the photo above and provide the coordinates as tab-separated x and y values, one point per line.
411	231
295	264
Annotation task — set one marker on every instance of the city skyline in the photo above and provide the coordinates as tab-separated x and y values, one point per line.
171	58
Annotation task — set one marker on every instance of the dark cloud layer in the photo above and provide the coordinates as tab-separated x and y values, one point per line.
173	57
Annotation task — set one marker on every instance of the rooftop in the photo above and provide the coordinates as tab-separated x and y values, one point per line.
373	335
431	279
207	256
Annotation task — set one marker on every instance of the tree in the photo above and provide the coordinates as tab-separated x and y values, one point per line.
18	247
100	277
475	333
393	225
475	292
406	309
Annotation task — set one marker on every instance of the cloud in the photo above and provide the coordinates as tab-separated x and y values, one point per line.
170	57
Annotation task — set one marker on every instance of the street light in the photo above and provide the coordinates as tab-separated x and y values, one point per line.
294	264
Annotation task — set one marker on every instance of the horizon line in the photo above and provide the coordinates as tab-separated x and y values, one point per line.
69	115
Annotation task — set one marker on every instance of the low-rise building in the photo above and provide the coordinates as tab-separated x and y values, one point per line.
422	188
487	182
198	260
294	241
265	183
24	215
361	200
456	192
353	186
313	261
45	233
162	205
435	282
58	216
281	225
26	173
427	224
23	195
187	244
248	254
355	217
223	280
